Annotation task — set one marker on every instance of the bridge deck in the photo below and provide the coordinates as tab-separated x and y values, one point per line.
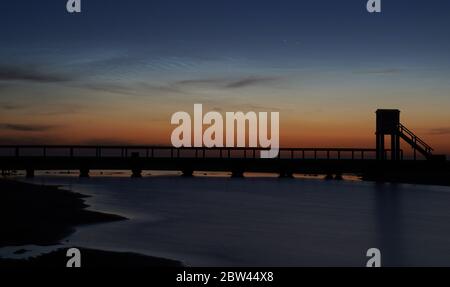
185	152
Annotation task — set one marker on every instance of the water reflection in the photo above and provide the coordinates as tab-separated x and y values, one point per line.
388	214
216	221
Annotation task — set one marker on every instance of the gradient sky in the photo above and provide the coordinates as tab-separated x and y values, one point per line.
117	72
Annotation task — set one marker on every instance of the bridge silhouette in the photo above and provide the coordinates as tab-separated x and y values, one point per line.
377	164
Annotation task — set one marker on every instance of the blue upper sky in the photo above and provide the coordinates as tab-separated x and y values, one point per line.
274	31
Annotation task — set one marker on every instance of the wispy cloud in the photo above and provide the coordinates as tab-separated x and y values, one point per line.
125	64
13	73
440	131
61	109
206	81
136	89
11	106
250	81
26	127
176	87
229	83
36	109
28	139
387	71
110	88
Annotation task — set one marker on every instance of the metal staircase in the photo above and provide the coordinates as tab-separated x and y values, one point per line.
415	142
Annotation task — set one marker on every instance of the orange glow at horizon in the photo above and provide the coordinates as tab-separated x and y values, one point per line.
293	133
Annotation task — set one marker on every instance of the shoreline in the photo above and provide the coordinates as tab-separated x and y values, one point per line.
44	215
435	179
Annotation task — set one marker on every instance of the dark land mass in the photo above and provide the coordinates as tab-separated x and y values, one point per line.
43	215
90	259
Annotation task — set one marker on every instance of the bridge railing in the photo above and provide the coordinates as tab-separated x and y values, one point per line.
123	152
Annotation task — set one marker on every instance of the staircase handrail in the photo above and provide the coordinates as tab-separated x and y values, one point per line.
415	138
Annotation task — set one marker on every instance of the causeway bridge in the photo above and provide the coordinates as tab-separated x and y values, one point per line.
379	163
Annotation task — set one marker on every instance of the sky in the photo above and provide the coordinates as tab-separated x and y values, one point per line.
115	73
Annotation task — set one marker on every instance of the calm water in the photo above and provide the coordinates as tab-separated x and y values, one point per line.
217	221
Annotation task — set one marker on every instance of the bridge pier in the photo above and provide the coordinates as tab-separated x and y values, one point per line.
237	173
136	173
329	176
338	176
84	173
187	172
286	174
29	173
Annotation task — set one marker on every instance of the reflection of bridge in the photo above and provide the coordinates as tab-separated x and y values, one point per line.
138	158
370	163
